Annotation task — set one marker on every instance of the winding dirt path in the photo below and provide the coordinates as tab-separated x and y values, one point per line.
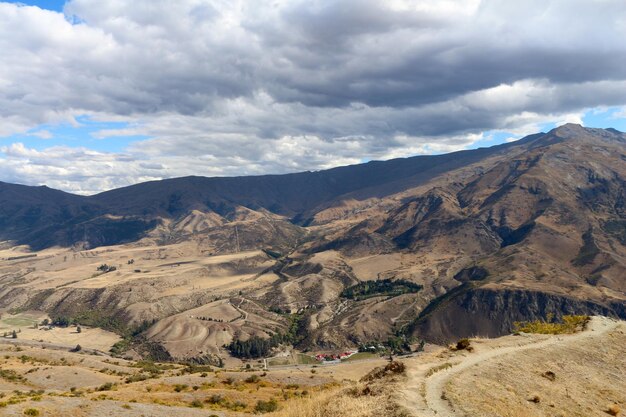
425	396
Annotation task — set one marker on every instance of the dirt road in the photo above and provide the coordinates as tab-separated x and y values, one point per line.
425	395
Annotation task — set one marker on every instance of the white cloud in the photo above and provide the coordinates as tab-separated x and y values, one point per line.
237	87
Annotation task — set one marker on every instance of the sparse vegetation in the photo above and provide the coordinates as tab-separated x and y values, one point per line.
438	368
104	268
108	386
266	406
568	324
463	344
215	399
253	379
392	368
196	404
180	387
11	376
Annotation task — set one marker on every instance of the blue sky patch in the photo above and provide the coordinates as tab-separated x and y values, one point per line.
82	135
56	5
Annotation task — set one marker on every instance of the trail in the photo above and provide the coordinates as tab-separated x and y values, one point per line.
425	396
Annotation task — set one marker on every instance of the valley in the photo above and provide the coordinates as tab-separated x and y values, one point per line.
154	285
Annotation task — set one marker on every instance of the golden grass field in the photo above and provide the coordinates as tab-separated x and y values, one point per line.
534	375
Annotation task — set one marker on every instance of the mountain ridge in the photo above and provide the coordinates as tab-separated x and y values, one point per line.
492	236
279	194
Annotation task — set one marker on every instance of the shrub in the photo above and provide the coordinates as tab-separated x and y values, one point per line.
569	324
392	368
106	387
104	268
463	344
31	412
196	404
215	399
266	406
237	405
252	379
136	378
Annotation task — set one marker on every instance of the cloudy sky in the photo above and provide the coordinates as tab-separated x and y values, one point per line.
100	94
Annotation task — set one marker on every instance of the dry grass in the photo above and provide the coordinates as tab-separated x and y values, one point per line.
438	368
576	377
343	403
60	380
373	396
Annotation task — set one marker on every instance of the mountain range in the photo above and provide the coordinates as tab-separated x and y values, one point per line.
491	236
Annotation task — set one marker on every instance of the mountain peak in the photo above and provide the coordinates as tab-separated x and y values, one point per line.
573	131
568	130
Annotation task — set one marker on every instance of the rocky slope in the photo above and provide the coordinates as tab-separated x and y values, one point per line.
492	236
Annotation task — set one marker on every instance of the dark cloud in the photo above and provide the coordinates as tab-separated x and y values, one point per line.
236	87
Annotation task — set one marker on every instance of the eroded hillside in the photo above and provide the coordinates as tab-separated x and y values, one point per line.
485	237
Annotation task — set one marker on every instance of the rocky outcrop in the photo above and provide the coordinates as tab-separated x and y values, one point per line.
492	313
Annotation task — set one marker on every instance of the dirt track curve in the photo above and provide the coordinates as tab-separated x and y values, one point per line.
425	396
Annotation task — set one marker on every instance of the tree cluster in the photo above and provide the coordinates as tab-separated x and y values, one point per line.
256	347
253	348
381	287
209	319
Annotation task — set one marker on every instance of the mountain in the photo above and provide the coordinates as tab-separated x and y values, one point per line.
66	219
470	242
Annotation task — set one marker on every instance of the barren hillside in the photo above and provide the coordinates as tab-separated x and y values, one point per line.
431	248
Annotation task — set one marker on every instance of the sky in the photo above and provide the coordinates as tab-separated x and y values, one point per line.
97	95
